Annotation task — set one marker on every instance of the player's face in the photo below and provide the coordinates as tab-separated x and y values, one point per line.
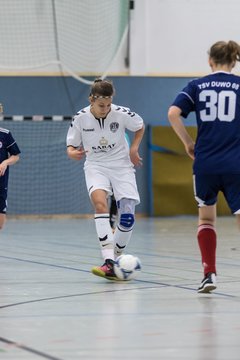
101	107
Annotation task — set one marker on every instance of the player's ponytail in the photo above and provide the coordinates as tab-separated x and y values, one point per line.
233	50
225	52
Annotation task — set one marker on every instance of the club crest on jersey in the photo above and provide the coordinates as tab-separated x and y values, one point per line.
1	144
103	146
103	142
114	126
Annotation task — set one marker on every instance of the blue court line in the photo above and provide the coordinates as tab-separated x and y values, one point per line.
87	271
28	349
80	294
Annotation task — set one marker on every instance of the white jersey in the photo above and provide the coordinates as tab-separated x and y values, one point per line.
104	139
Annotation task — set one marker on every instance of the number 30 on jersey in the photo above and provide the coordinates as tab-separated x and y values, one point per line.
220	105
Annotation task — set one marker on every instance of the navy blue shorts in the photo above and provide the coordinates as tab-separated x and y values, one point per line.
3	201
207	187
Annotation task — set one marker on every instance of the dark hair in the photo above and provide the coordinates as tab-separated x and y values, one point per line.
225	52
102	88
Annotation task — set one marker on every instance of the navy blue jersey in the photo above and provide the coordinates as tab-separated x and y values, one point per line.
215	99
8	146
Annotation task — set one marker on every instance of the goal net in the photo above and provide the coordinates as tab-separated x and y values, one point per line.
45	181
80	38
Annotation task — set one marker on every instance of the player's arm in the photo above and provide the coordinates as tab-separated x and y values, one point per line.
174	117
10	161
75	153
134	155
75	149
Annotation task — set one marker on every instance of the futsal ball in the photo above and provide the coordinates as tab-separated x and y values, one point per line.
127	267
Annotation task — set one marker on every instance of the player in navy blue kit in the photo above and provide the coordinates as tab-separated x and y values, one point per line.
9	155
215	100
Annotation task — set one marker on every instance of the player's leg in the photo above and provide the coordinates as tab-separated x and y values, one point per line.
232	194
2	220
3	208
105	235
113	212
103	228
127	196
207	241
99	188
123	232
206	190
238	220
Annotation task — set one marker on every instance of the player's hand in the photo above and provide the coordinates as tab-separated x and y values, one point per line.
135	158
76	154
3	168
190	150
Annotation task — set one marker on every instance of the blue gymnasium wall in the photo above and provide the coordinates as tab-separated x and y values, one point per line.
148	96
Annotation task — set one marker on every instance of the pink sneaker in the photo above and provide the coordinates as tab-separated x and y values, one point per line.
106	270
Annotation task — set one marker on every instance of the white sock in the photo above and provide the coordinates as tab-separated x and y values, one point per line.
105	235
121	240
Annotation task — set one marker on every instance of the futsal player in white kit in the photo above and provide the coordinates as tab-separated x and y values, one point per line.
97	133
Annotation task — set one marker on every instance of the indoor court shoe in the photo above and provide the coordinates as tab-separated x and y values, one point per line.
106	270
208	284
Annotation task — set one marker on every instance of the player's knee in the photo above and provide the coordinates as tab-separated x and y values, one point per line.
100	207
126	221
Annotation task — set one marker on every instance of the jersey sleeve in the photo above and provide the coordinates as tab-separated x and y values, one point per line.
74	133
12	147
133	121
185	99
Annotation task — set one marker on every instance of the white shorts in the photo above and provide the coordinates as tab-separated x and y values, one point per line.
121	182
